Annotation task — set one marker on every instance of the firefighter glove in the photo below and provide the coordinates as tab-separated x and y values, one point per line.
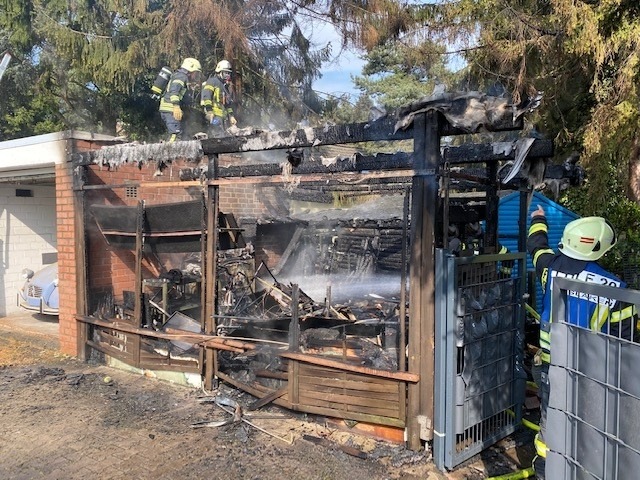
209	116
177	112
232	120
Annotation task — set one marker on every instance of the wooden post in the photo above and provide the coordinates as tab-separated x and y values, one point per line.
422	277
210	271
402	309
522	219
294	326
203	257
81	261
212	247
139	245
491	227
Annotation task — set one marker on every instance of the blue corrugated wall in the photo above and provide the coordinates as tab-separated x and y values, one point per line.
508	212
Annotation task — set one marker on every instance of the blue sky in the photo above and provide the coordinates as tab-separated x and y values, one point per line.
336	78
336	74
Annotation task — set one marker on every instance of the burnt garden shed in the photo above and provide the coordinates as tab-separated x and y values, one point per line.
189	258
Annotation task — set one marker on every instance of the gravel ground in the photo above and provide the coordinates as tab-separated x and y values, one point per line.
65	419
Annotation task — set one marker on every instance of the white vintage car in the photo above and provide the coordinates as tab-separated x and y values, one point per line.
40	291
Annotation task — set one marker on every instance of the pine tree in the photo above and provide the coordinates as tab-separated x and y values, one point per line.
98	58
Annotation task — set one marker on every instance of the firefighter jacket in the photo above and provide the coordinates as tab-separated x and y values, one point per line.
177	91
217	98
599	314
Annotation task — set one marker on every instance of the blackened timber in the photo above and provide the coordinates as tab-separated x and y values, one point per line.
383	129
344	177
396	161
311	196
81	256
467	153
422	277
491	228
486	152
379	130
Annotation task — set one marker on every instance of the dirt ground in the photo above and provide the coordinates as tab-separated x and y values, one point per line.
65	419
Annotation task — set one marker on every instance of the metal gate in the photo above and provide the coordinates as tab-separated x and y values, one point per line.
479	374
593	419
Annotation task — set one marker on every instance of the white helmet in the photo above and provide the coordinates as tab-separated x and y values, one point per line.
223	66
191	65
587	238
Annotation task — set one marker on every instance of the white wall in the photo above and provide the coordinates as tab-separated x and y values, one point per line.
27	230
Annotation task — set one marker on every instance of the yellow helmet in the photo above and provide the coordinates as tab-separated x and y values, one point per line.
191	65
587	238
223	66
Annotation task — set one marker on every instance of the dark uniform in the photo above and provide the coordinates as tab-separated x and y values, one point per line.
598	314
217	100
175	95
180	93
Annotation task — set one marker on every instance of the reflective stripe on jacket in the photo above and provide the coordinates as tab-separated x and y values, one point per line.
175	90
587	311
216	97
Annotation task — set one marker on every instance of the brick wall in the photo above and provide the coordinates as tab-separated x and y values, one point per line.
271	241
67	261
108	270
112	271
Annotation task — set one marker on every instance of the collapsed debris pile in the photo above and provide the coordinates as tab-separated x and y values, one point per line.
261	309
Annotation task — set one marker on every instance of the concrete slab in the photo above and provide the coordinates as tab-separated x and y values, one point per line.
32	323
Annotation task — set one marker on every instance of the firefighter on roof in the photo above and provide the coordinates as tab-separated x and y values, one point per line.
218	99
584	242
179	95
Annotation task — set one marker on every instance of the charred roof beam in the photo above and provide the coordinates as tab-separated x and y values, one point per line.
470	153
383	129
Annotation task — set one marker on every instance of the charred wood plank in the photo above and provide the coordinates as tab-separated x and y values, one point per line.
311	196
389	387
335	410
338	402
344	177
269	374
379	130
367	396
487	152
354	452
390	403
268	398
330	373
327	362
291	247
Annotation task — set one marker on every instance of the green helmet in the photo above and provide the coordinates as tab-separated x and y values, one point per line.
191	65
587	238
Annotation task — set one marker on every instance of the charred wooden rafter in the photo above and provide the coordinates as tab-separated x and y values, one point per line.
496	151
468	154
379	130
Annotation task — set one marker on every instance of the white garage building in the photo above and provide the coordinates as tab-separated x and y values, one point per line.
28	206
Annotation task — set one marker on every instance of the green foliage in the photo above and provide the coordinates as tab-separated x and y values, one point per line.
95	60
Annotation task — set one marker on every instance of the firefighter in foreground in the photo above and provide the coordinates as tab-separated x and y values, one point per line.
217	100
178	96
584	241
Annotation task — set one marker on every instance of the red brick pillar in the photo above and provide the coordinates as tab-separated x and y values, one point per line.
66	229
